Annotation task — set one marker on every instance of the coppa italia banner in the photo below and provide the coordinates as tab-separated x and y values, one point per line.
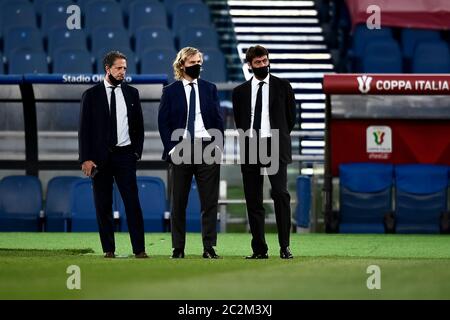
387	84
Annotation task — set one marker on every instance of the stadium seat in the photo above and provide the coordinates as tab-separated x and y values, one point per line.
158	61
17	14
431	57
25	61
72	61
152	196
302	211
144	13
54	15
214	66
23	38
57	203
131	59
82	207
153	38
2	67
190	14
420	197
411	37
103	13
109	37
365	197
201	37
20	203
61	38
382	56
193	210
171	4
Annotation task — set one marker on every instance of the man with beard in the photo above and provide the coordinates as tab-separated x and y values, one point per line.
111	138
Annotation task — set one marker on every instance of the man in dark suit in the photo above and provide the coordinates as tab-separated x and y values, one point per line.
190	106
111	138
265	103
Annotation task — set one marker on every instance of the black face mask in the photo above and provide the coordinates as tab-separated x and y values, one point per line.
261	73
114	81
193	71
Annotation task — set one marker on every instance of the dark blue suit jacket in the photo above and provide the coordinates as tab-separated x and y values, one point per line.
172	113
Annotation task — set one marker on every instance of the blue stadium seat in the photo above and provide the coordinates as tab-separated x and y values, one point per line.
144	13
61	38
153	38
17	14
2	67
152	196
420	197
190	14
214	66
54	14
20	203
193	210
25	61
57	203
109	37
82	207
365	197
131	59
172	4
201	37
382	56
103	13
72	61
126	5
158	61
431	57
411	37
302	211
23	38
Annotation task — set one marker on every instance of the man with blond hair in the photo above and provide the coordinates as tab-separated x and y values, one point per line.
191	107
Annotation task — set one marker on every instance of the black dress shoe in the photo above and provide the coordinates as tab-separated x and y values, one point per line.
209	253
141	255
285	253
258	256
109	255
178	253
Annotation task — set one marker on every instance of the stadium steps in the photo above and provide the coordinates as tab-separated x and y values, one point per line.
292	33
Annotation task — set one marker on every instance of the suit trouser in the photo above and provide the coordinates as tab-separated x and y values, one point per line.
253	188
121	167
207	177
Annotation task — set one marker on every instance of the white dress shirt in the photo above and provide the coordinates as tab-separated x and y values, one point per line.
123	136
265	120
200	131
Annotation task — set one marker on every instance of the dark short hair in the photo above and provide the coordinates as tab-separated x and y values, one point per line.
254	52
111	57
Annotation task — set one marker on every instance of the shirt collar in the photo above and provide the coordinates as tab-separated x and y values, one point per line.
186	82
255	81
108	85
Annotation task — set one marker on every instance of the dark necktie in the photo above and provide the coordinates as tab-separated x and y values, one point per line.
191	117
258	108
113	117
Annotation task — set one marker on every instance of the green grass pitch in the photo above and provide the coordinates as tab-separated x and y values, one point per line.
34	265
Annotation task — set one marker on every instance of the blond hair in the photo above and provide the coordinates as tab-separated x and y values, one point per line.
182	55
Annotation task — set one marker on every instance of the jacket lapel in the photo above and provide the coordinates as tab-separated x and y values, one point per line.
182	97
103	98
247	101
272	90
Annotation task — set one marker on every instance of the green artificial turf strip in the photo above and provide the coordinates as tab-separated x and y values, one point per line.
33	266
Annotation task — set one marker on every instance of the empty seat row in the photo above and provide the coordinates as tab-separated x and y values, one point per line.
70	205
377	51
366	202
153	61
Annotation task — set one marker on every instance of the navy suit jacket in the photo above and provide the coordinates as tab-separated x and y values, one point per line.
95	123
172	113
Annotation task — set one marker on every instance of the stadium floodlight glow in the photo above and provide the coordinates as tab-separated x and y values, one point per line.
299	75
262	29
310	106
312	151
312	115
273	13
302	66
276	20
283	4
313	143
312	126
285	46
309	96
